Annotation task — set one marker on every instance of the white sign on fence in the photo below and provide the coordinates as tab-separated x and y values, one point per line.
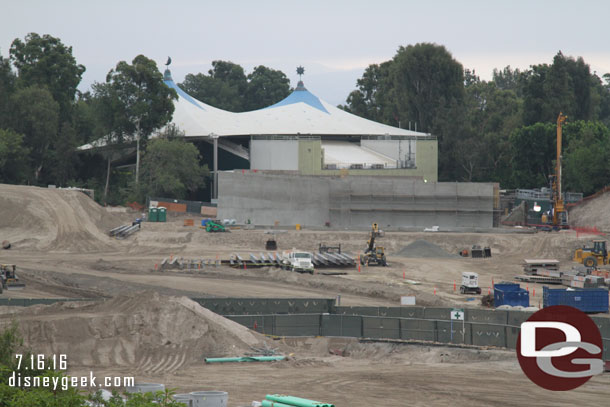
457	314
406	300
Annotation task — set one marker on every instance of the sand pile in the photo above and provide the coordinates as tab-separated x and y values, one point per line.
424	249
145	331
592	213
54	219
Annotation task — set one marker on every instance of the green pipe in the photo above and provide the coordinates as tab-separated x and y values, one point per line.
245	359
297	401
267	403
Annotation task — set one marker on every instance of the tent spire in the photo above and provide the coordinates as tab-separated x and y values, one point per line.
300	72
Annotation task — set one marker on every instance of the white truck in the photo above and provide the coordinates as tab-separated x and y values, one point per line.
301	262
470	283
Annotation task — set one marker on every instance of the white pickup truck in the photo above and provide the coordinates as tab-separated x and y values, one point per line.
298	261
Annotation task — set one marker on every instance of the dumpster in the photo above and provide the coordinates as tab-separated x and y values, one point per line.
587	299
153	215
510	294
162	214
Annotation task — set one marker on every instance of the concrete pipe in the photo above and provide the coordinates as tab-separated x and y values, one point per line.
210	398
145	388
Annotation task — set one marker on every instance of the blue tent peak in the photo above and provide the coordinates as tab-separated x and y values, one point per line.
167	79
301	95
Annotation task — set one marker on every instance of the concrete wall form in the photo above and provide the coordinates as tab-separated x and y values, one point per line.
353	201
274	154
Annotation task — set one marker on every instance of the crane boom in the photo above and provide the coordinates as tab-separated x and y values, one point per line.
558	207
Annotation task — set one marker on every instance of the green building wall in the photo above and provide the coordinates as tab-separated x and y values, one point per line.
426	162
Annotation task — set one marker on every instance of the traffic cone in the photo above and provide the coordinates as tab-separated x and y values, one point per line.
454	286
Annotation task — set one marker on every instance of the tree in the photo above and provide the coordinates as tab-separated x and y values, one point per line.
7	86
493	114
171	168
533	154
64	154
143	102
265	87
586	156
224	86
426	79
509	79
375	97
46	62
36	116
14	166
565	86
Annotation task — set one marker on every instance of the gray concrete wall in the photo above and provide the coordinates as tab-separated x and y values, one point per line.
274	154
353	201
265	199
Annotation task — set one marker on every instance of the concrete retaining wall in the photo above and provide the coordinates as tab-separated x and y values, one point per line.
348	202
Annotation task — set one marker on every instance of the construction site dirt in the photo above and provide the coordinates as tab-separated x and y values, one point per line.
61	246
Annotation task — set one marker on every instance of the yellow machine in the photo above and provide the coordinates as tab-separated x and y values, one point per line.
558	214
374	255
592	256
9	279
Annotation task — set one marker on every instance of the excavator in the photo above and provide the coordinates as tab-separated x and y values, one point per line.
374	255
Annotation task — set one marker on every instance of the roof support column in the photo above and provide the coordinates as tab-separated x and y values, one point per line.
215	186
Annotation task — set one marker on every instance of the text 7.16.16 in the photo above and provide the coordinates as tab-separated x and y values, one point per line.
41	362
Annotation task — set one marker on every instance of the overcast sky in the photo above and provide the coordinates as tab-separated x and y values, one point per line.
335	40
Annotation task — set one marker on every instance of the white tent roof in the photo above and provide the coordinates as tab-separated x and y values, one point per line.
299	113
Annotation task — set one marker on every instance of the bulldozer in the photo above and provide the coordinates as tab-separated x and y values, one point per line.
592	256
9	278
374	255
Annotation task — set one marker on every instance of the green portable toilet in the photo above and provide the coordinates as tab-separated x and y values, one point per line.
162	216
153	215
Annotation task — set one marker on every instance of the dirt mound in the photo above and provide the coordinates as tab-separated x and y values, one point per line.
146	331
592	213
424	249
54	219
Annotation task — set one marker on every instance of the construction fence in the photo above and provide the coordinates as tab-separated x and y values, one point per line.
321	317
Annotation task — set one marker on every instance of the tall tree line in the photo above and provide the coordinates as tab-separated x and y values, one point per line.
44	119
502	130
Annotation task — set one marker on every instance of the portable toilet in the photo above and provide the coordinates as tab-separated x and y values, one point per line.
162	216
153	215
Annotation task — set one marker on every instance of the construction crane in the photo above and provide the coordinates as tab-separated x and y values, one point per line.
558	209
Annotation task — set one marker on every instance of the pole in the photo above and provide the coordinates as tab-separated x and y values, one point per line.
137	151
215	188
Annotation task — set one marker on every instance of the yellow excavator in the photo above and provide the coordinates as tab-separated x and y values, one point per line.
374	255
592	256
